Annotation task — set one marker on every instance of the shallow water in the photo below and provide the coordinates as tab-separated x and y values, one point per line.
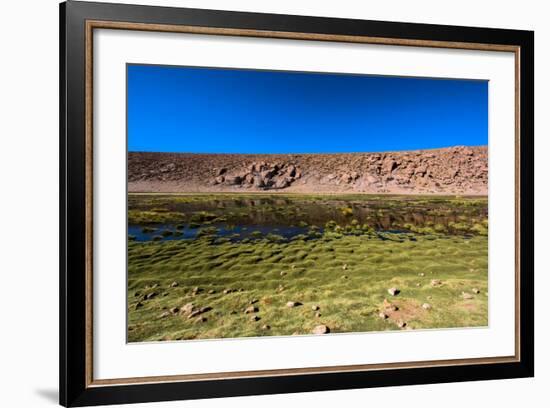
237	217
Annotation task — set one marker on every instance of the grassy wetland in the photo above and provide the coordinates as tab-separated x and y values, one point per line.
204	266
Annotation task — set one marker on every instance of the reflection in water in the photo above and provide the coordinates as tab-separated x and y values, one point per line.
239	218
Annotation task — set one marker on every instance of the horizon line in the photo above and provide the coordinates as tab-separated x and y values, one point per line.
302	153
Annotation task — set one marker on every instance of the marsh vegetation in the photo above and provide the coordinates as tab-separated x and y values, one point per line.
236	265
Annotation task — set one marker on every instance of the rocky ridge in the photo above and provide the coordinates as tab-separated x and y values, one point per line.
454	170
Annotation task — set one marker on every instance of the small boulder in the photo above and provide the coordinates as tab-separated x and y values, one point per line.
401	324
315	307
174	284
150	295
266	327
475	290
164	314
393	291
187	308
293	304
251	309
382	315
320	329
467	296
174	310
254	318
138	305
426	306
436	282
254	301
318	315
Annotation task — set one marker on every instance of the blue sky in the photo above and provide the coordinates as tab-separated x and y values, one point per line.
210	110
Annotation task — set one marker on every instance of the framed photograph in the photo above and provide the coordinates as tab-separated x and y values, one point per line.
256	204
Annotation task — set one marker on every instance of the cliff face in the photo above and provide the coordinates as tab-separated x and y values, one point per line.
454	170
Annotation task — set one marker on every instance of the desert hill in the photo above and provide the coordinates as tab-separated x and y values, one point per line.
453	170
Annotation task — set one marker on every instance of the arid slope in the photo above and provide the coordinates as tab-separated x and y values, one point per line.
454	170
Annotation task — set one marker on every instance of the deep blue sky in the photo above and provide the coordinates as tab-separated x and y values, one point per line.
205	110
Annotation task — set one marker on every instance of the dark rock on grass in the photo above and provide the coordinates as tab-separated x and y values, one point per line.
382	315
344	276
251	309
401	324
293	304
174	284
318	314
394	291
321	329
137	294
138	305
197	290
227	291
174	310
205	309
266	327
150	295
253	301
201	319
254	318
315	307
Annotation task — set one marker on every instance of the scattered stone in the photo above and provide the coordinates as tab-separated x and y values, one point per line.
344	276
174	284
150	295
318	314
164	314
283	273
194	313
254	301
211	291
254	318
205	309
344	267
188	308
436	282
293	304
315	307
418	285
426	306
197	290
137	294
382	315
280	288
475	290
227	291
201	319
393	291
156	285
467	296
401	324
266	327
321	329
174	310
138	305
251	309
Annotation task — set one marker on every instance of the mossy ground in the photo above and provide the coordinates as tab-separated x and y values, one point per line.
347	276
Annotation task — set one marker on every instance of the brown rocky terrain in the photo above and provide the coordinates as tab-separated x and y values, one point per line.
453	170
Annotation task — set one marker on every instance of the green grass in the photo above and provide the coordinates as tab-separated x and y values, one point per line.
347	276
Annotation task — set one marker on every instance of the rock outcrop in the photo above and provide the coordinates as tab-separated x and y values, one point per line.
455	170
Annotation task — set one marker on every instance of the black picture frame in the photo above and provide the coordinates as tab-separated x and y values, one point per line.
75	389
